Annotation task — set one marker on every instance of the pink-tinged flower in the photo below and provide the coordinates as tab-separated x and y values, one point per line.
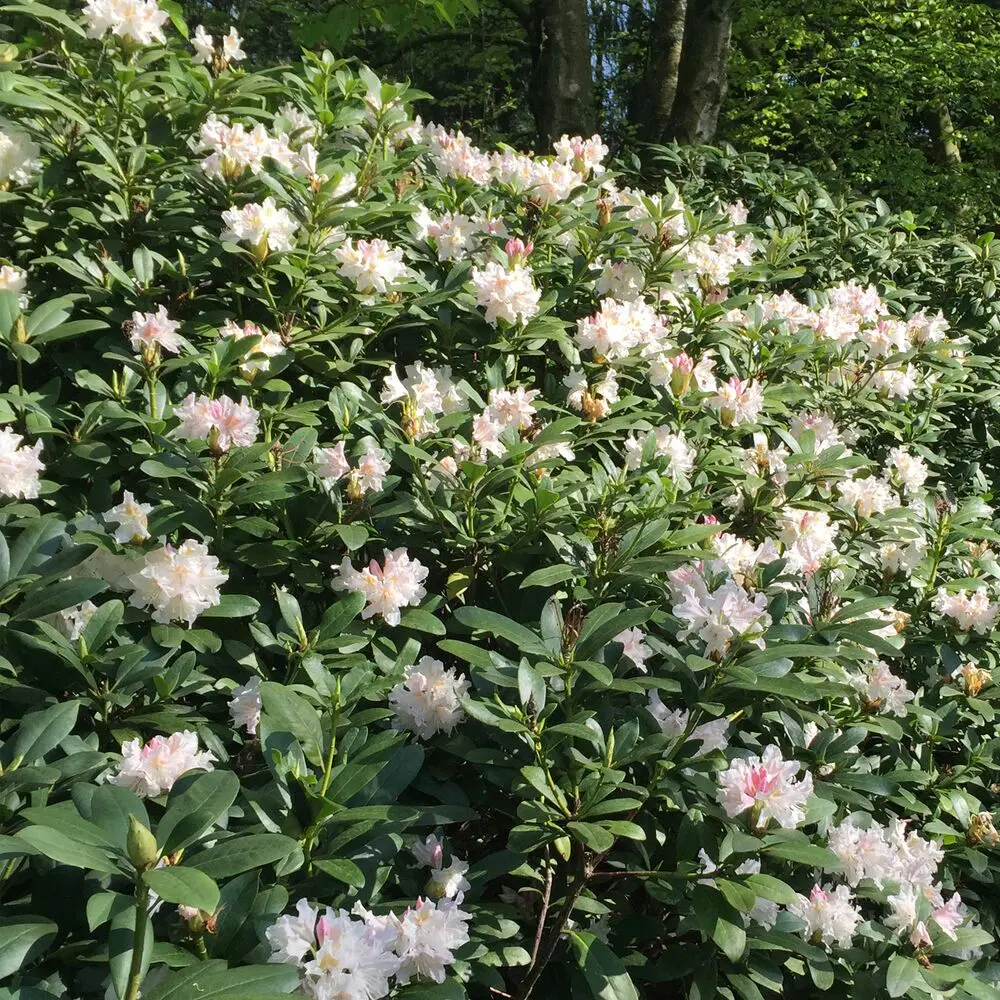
245	705
829	914
223	422
768	786
429	700
583	155
264	345
264	227
634	647
973	611
517	250
331	463
20	466
950	916
369	476
372	265
882	690
179	583
152	769
396	584
507	294
155	330
738	402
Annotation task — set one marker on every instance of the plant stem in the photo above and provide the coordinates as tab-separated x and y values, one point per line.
138	940
332	752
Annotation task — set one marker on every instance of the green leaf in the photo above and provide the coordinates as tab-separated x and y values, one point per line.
183	885
288	712
902	973
720	921
548	576
603	971
22	939
213	981
338	616
343	871
65	850
121	941
240	854
594	837
195	808
769	887
102	624
480	619
59	596
43	731
232	606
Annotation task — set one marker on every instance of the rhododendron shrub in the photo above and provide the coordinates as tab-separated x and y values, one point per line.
431	571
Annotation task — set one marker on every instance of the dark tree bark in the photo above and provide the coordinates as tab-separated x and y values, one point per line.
562	96
665	46
701	81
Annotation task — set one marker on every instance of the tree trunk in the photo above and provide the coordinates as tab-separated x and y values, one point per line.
701	80
943	133
665	46
562	87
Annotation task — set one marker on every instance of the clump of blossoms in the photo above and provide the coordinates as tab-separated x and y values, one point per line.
446	881
429	700
137	21
178	583
356	953
151	769
506	293
152	333
19	160
971	611
263	226
20	466
245	704
768	787
372	265
395	584
224	423
264	345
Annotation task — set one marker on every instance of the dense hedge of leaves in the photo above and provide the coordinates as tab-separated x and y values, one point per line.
434	574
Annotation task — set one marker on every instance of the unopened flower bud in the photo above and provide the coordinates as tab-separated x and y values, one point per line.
141	845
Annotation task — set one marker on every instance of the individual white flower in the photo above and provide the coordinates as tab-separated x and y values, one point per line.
204	46
429	852
245	704
621	280
825	432
882	690
369	476
396	584
292	938
232	47
151	769
372	265
829	914
429	699
737	402
19	157
264	345
670	445
138	21
766	785
512	407
634	647
975	611
673	723
179	583
864	852
20	466
505	294
72	621
155	330
132	519
910	471
223	422
950	916
429	935
900	557
14	279
450	881
264	227
331	463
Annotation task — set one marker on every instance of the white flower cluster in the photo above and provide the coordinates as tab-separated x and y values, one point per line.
506	293
353	955
372	265
137	21
19	158
456	235
263	345
672	446
154	332
14	280
891	858
881	690
245	704
396	584
716	616
972	612
673	724
262	226
829	915
233	149
618	328
507	408
225	423
230	49
367	477
20	466
429	699
151	769
425	393
178	583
